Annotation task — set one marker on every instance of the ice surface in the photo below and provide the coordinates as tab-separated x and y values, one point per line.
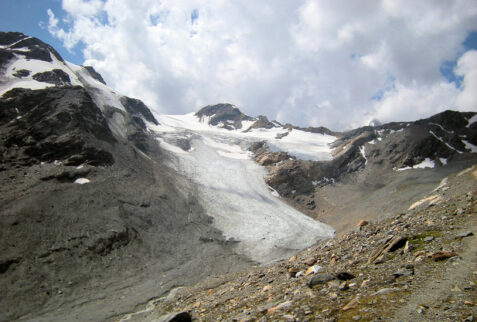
232	188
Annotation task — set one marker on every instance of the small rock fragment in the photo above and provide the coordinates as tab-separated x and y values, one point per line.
440	256
385	291
352	304
464	234
418	259
334	284
419	253
362	223
456	289
343	286
405	271
292	271
320	279
279	307
313	270
309	261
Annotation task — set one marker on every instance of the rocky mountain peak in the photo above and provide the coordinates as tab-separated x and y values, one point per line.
225	115
30	47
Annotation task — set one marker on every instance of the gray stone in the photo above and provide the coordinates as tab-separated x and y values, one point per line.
464	234
386	291
405	271
320	279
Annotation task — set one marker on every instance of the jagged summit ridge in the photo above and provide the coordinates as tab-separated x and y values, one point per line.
224	115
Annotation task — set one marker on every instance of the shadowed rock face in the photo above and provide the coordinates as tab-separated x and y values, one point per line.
261	123
136	107
94	74
55	76
53	124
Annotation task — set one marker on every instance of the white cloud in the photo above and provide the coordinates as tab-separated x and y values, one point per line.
467	68
82	8
305	62
406	103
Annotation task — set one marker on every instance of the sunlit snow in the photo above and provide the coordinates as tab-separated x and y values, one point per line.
427	163
472	120
470	146
301	144
34	66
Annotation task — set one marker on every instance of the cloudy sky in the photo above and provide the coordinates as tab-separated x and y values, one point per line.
336	63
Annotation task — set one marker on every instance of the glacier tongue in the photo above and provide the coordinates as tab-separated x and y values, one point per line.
233	192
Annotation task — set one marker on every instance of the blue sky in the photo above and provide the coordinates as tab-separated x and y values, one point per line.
334	63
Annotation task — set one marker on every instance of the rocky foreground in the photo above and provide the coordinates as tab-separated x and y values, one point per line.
418	265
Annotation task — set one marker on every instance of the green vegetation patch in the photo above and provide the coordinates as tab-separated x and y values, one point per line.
419	238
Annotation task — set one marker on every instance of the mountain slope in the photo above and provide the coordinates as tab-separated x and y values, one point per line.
414	266
92	220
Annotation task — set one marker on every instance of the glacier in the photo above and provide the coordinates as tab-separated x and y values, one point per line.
232	188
